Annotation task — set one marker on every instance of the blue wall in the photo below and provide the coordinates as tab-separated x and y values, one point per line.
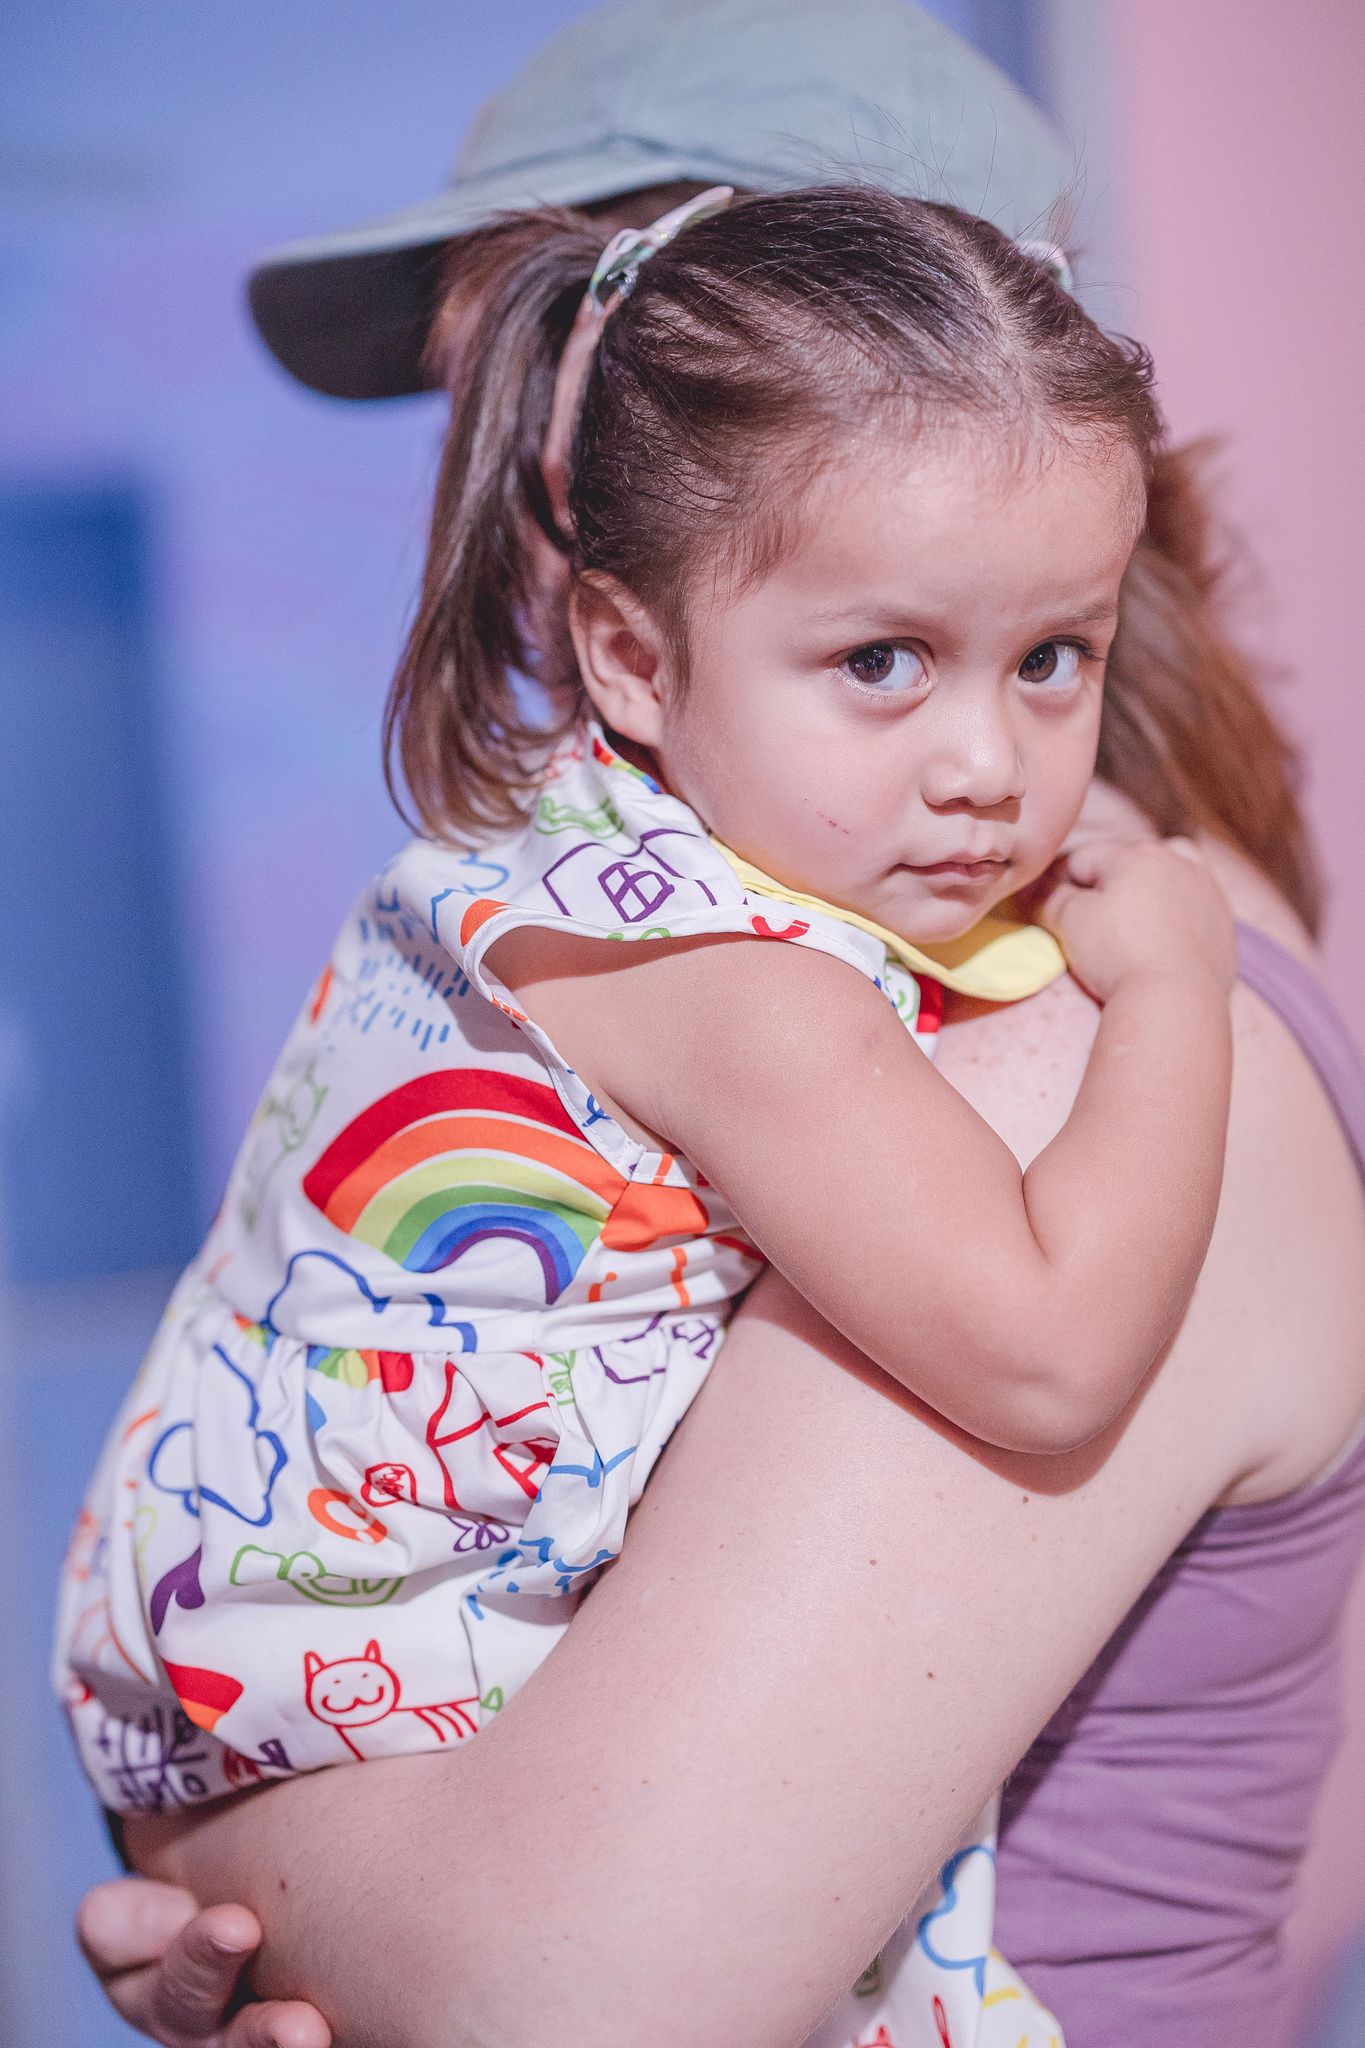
236	558
150	152
97	1138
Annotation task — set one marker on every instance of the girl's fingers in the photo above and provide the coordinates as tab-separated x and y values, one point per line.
133	1995
290	2025
199	1972
1092	860
130	1921
1030	901
1082	865
172	1971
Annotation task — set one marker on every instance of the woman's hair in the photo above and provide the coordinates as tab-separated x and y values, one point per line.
1186	732
757	346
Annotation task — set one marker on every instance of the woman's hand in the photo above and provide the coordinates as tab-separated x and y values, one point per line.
1122	906
173	1971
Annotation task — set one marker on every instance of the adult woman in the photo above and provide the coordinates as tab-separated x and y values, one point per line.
865	1782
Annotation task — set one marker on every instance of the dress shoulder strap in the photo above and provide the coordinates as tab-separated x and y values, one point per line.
1308	1013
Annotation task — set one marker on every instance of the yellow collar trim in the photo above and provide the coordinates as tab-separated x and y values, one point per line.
998	961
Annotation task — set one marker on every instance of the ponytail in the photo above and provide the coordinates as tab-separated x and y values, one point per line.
1186	733
468	744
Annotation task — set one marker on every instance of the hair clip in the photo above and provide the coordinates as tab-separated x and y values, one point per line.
1054	260
619	264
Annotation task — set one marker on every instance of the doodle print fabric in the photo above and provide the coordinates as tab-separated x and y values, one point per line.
402	1402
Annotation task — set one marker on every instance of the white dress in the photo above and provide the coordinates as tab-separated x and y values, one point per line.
403	1400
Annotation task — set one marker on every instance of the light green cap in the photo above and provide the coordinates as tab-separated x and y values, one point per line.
760	94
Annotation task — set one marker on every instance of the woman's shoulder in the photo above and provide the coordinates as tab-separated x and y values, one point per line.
1278	1321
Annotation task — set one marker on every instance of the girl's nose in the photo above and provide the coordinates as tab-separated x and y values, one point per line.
976	764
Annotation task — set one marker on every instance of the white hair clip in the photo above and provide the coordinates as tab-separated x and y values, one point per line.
1053	260
619	264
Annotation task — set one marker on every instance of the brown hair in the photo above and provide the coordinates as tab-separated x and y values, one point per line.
1186	732
750	345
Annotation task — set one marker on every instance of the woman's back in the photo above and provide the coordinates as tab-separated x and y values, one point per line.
1152	1836
1153	1833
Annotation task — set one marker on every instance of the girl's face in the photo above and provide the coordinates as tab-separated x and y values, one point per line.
903	716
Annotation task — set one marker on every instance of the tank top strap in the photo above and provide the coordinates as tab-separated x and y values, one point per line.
1308	1013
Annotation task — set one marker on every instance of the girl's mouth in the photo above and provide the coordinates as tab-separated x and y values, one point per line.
963	870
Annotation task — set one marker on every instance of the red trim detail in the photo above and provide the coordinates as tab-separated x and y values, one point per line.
478	913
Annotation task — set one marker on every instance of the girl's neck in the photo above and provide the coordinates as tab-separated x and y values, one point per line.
638	756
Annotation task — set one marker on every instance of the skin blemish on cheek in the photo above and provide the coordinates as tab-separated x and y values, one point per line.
834	824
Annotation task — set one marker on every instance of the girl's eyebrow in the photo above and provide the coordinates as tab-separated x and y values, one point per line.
1103	609
1092	615
869	608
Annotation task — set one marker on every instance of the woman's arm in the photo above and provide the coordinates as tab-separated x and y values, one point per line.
782	1769
765	1728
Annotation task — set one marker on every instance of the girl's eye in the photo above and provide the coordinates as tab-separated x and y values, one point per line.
1056	662
884	667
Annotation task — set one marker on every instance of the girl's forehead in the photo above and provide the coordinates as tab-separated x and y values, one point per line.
958	501
961	462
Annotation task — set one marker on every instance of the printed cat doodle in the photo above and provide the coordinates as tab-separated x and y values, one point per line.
352	1694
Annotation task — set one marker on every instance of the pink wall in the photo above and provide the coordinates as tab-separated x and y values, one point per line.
1243	187
1240	204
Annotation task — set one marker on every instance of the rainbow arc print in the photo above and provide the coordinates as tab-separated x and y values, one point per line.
468	1156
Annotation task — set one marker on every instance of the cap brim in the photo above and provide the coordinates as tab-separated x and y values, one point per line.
349	314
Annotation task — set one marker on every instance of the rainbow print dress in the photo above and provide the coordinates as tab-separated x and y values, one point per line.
401	1404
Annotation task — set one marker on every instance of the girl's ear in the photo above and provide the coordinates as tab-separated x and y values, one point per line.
622	657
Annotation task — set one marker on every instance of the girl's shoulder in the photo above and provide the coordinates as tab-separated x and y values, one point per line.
604	847
606	852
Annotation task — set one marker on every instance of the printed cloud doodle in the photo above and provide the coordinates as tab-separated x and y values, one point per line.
950	1935
196	1463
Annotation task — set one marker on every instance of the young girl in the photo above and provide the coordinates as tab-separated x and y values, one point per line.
853	487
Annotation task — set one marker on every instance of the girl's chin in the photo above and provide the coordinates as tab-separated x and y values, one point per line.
942	918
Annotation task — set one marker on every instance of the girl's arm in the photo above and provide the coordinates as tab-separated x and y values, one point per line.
1024	1307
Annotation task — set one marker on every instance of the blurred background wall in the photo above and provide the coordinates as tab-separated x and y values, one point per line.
205	572
1243	154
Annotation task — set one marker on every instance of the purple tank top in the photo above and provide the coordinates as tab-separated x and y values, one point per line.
1149	1840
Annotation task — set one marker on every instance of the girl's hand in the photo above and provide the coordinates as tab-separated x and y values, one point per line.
173	1971
1123	906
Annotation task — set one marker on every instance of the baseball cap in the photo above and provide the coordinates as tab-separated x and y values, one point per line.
759	94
